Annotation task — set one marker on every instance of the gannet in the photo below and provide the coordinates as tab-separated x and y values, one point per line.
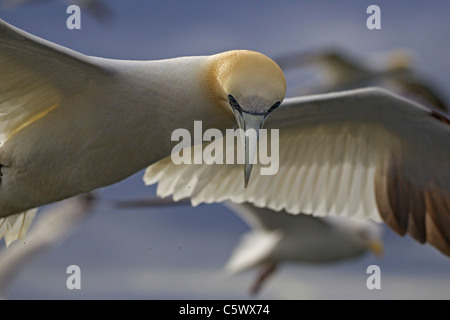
359	153
71	123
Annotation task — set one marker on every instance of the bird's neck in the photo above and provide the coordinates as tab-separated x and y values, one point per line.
164	96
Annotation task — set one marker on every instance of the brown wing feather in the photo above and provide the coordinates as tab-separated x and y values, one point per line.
435	238
417	216
384	197
408	209
437	206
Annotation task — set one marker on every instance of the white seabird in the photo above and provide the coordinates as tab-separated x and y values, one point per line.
279	237
364	153
71	123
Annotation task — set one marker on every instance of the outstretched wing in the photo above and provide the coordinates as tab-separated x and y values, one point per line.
361	153
35	78
37	75
420	89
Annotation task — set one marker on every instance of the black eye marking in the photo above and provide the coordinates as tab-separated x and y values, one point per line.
276	105
234	104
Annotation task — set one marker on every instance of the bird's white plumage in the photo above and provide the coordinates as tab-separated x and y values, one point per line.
298	185
62	114
330	147
364	152
36	75
253	249
71	123
333	150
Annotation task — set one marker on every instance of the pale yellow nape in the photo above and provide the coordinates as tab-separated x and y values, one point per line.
245	74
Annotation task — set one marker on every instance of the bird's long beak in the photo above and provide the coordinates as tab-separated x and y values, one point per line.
376	247
250	125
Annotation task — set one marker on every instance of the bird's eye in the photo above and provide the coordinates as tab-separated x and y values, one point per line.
234	104
276	105
232	99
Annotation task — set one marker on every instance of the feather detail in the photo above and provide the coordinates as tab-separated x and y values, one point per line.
15	227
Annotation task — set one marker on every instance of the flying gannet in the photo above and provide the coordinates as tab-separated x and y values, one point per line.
363	153
71	123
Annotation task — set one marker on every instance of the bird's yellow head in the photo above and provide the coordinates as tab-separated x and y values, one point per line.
251	86
254	80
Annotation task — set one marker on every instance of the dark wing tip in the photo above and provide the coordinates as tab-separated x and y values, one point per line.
423	214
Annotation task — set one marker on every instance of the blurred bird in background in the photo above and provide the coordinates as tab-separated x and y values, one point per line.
52	227
344	73
340	70
359	149
277	238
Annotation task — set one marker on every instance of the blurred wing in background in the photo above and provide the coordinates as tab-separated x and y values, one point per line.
339	70
50	229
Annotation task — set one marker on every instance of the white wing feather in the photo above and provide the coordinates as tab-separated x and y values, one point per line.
35	78
35	75
332	149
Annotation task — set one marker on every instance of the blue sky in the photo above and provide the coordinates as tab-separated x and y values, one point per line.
178	253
